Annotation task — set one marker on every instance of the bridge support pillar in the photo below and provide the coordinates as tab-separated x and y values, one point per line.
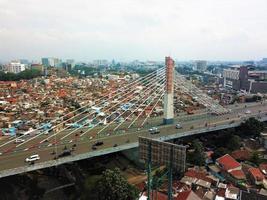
168	97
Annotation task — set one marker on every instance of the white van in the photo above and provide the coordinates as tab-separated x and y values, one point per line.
32	158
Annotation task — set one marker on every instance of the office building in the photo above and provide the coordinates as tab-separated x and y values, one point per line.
200	65
51	62
100	62
245	78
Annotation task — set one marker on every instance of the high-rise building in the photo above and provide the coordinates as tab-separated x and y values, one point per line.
71	62
100	62
264	60
243	78
200	65
45	62
51	62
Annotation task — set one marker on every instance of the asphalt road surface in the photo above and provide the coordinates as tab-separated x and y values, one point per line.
13	156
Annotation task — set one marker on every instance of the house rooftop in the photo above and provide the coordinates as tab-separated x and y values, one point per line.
227	162
256	173
238	174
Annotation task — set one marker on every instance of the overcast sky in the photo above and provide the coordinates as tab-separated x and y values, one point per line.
133	29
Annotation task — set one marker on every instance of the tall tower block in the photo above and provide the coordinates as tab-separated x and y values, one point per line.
168	97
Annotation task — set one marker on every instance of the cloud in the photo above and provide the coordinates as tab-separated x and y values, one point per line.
133	29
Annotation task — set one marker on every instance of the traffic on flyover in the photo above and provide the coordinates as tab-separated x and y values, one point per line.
36	151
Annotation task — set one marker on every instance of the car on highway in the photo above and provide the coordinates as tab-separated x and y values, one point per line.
99	143
154	130
19	140
248	112
178	126
94	147
64	153
32	158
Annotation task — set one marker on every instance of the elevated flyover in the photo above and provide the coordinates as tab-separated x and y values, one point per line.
13	162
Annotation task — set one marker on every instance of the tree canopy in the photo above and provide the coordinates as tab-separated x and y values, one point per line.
197	157
26	74
251	127
111	185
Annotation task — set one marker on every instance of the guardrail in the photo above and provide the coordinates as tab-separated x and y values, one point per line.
72	158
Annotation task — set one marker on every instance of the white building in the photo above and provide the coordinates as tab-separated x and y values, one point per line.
16	67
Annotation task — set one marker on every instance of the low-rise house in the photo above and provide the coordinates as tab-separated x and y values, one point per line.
238	175
256	176
241	155
231	193
244	195
209	195
203	183
263	192
188	180
187	195
228	163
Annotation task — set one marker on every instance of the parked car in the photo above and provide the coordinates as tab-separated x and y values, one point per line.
32	158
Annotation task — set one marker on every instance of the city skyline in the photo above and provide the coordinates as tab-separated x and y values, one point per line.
129	30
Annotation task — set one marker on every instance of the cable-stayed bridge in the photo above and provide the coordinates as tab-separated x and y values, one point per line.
116	120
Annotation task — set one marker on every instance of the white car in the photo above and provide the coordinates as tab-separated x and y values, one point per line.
32	158
18	140
178	126
248	112
154	130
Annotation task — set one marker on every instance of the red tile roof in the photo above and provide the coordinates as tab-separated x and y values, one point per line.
221	192
158	196
183	195
141	186
227	162
187	195
238	174
241	154
256	173
198	174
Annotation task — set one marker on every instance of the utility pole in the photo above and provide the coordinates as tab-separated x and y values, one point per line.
170	174
149	172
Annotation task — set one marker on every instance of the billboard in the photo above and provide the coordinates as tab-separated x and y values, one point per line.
162	153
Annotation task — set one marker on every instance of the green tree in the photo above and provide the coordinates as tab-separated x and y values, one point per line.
26	74
90	190
251	127
197	157
157	179
113	186
255	158
219	152
233	143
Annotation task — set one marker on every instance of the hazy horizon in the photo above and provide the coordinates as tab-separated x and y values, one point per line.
125	30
